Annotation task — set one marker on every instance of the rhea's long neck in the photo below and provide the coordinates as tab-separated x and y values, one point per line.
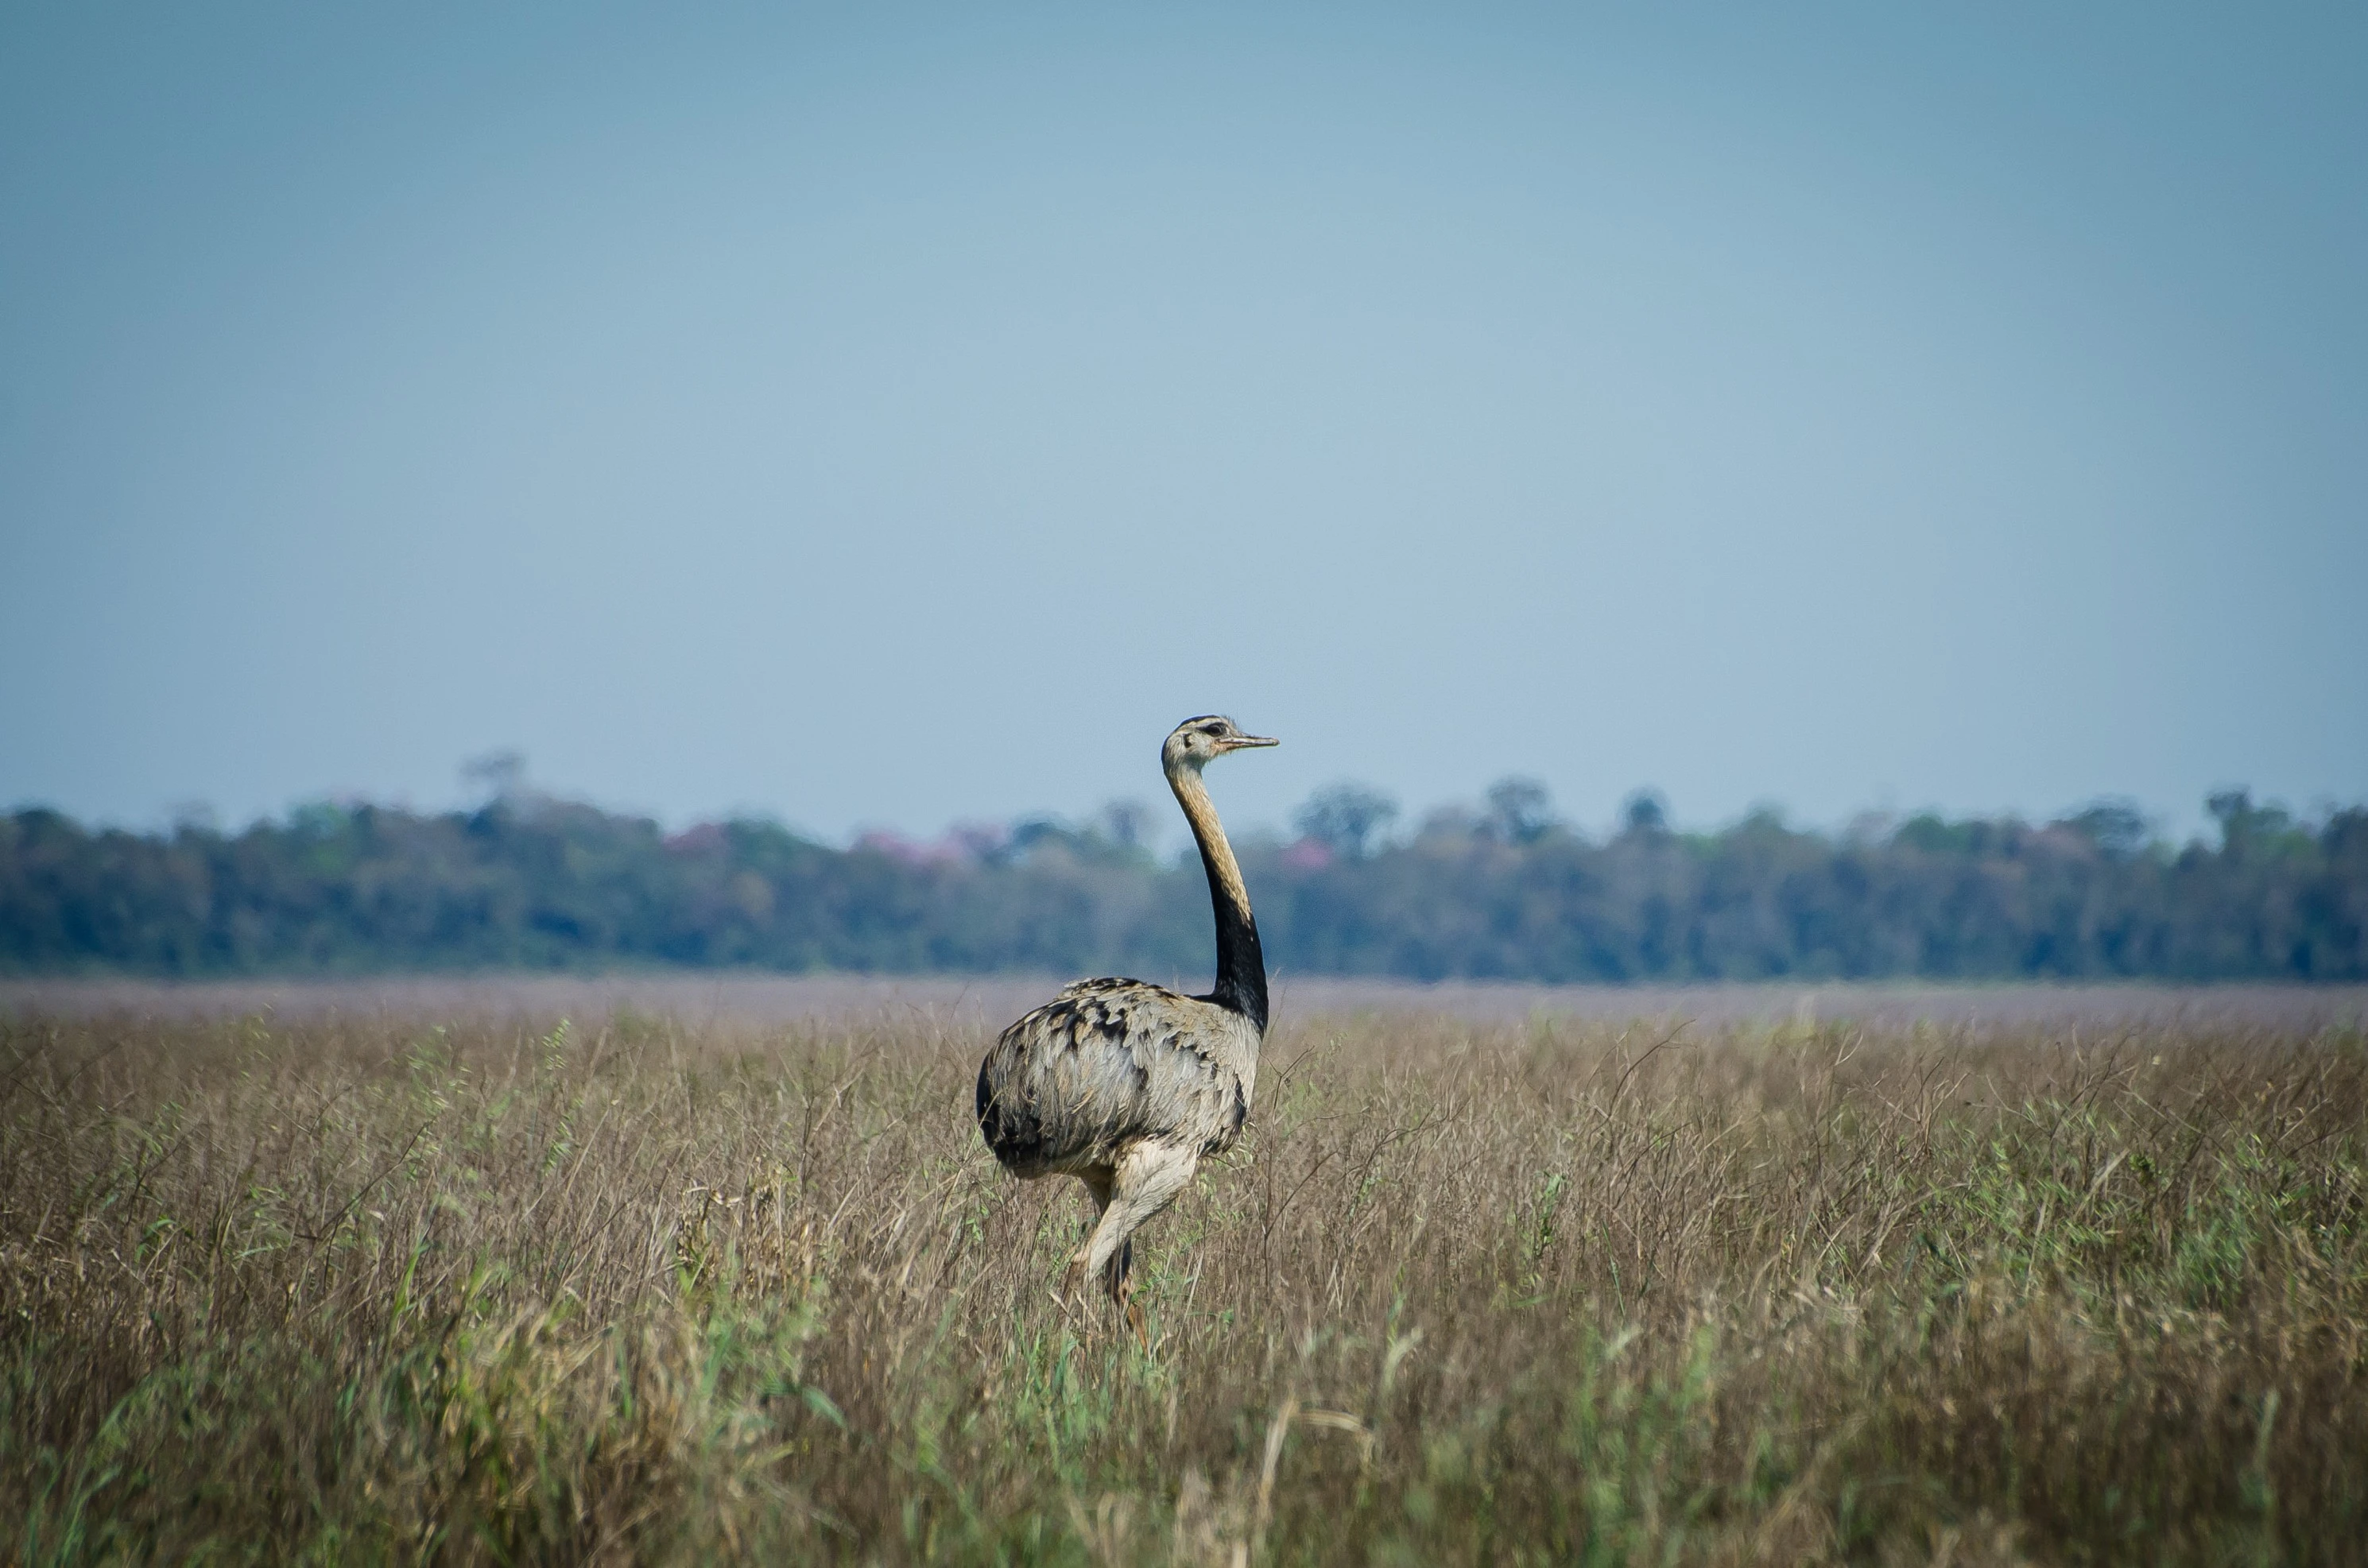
1241	964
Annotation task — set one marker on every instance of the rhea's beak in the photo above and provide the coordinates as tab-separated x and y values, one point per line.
1243	743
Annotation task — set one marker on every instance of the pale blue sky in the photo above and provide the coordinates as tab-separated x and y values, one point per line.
888	416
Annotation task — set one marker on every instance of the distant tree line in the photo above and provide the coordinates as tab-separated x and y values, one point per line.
1502	892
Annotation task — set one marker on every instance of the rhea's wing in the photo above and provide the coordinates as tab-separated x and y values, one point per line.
1103	1064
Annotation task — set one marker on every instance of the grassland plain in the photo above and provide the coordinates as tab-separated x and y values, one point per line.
408	1288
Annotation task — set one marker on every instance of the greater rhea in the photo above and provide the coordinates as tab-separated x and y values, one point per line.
1125	1084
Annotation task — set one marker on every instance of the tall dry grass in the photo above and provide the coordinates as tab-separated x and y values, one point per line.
357	1292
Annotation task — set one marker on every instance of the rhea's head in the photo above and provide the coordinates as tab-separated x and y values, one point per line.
1195	740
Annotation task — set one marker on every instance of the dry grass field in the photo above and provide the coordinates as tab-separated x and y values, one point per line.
459	1287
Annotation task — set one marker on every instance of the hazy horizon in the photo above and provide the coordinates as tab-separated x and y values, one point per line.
1163	830
892	418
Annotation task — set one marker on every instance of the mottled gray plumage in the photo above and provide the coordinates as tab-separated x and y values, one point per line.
1107	1063
1125	1084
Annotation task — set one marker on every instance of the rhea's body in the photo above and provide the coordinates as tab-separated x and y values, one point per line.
1125	1084
1108	1063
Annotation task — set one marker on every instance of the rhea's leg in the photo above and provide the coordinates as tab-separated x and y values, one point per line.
1098	1188
1148	1177
1114	1280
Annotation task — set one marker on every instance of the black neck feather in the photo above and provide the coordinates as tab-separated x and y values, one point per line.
1241	962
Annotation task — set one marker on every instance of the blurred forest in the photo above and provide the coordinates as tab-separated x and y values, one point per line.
1501	891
